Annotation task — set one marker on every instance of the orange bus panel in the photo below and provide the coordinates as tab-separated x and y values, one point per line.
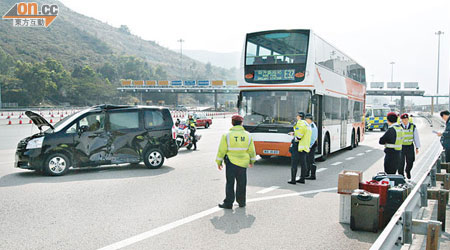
163	83
150	83
283	147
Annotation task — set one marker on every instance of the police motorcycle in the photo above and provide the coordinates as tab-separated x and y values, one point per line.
183	135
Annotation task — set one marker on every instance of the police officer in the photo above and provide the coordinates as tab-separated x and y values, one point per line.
238	151
191	124
299	148
392	141
445	136
311	171
411	140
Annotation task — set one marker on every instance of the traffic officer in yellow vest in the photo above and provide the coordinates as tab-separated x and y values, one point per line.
238	151
192	122
299	148
393	142
411	140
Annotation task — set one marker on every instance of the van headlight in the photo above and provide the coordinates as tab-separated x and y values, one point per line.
35	143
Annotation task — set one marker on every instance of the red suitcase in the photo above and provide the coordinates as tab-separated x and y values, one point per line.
376	187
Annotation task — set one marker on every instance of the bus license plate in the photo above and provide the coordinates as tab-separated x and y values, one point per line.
272	152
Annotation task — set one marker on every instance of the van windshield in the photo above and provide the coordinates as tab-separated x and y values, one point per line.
380	112
63	123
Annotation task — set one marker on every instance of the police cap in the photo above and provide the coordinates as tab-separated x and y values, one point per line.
237	118
308	116
301	114
392	117
404	116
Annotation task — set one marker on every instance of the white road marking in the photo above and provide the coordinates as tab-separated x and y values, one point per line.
175	224
349	158
321	169
369	150
359	154
336	163
266	190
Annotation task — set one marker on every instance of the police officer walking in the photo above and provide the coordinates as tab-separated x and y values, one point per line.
392	141
299	148
191	124
238	151
411	140
311	171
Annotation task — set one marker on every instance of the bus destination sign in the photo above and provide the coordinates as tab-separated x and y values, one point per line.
271	75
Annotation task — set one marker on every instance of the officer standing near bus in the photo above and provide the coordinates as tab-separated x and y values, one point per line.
299	148
393	142
411	140
311	171
238	151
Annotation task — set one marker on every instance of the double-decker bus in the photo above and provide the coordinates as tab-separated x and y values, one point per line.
287	71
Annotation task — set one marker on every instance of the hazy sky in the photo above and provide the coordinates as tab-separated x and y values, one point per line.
374	33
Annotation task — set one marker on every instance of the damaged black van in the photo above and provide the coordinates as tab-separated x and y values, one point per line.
100	135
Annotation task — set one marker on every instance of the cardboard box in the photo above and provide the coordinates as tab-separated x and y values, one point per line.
348	181
345	205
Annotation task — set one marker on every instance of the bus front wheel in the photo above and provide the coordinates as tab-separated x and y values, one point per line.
326	148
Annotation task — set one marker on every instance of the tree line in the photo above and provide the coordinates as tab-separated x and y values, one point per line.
48	82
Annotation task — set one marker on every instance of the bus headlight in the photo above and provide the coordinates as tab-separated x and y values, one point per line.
35	143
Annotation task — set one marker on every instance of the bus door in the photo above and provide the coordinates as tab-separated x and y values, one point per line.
317	111
344	118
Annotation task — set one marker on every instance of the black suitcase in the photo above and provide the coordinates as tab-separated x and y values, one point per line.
395	198
396	178
364	211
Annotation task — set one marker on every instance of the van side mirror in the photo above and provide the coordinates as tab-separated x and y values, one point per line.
83	129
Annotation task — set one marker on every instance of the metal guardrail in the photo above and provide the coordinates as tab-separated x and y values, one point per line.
405	222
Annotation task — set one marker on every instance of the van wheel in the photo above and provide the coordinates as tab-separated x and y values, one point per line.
56	164
153	158
207	125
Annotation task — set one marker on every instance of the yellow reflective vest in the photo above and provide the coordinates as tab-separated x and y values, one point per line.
238	145
302	132
192	122
408	135
398	138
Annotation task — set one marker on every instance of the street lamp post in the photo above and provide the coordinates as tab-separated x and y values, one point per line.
392	73
439	33
181	57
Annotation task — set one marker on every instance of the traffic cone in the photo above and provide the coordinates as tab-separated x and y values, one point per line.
20	121
29	122
9	117
51	120
9	122
52	115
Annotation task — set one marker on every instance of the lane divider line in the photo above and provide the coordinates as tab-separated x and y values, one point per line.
369	150
175	224
349	158
321	169
359	154
336	163
266	190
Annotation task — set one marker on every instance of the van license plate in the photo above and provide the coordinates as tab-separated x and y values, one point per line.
272	152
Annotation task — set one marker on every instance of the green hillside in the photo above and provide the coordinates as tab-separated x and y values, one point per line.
81	60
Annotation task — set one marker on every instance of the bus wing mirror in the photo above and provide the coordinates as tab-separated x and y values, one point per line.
314	99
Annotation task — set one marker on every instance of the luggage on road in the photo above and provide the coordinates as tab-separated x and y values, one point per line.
365	211
395	198
394	179
377	187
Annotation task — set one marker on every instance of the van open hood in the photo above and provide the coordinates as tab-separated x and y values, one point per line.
38	120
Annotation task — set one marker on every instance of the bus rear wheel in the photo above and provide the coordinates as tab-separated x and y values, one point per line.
353	143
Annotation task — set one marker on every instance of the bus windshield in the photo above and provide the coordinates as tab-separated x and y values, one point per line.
273	107
277	47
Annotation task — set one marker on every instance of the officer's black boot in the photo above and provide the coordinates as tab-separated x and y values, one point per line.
293	175
313	173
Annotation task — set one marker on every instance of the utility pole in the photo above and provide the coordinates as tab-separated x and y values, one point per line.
181	57
439	33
